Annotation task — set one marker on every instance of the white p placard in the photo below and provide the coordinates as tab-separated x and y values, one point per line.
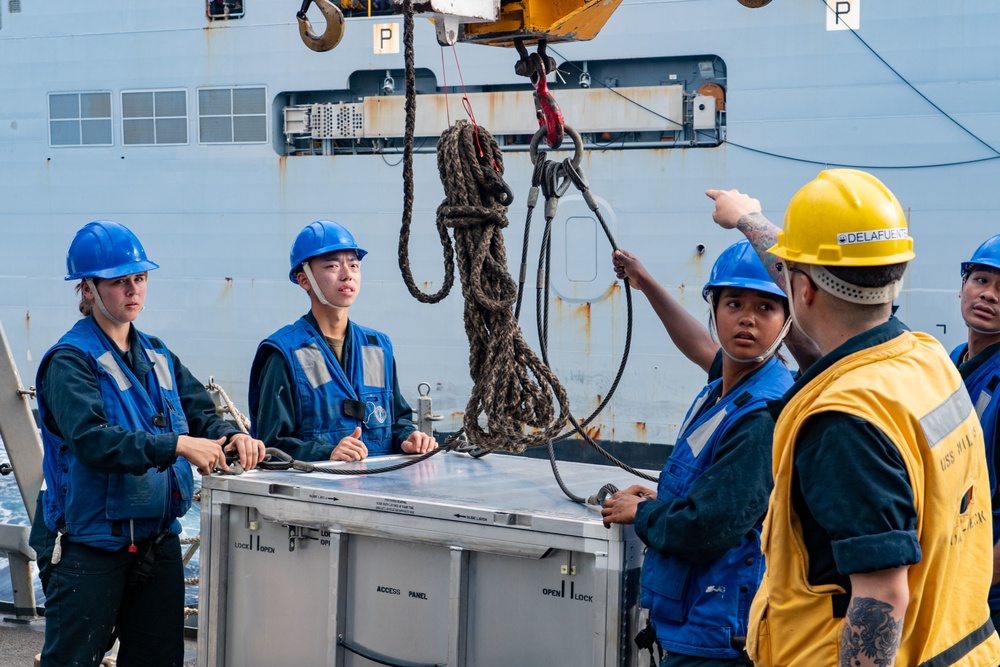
843	14
386	38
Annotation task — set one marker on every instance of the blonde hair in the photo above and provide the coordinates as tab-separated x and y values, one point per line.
86	306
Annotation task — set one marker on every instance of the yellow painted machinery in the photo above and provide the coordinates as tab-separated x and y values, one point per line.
493	22
552	20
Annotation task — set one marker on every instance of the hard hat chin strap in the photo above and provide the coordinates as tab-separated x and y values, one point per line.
713	329
844	290
313	284
100	302
982	331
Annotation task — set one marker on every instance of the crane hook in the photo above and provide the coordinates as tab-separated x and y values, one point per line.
536	66
334	26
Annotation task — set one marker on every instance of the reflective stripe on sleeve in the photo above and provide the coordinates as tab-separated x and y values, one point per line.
945	418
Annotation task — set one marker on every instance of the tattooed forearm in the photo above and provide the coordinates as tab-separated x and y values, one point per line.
871	634
762	235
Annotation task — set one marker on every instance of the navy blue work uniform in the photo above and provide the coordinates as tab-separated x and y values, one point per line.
115	488
303	400
704	564
981	376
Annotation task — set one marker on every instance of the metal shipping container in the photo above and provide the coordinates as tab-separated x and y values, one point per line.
454	561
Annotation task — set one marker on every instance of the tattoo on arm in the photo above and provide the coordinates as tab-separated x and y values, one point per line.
762	235
871	634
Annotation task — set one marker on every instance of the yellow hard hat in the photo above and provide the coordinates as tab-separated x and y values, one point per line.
844	217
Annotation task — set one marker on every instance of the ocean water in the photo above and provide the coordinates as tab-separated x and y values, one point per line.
12	511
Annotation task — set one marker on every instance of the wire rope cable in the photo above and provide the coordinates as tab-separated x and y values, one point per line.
553	180
276	460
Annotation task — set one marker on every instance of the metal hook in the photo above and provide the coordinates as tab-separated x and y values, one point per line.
334	26
536	66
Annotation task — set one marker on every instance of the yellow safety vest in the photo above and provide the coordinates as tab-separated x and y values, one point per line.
908	388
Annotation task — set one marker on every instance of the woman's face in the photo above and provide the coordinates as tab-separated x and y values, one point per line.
748	321
124	297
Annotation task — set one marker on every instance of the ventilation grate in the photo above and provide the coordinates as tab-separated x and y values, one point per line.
336	121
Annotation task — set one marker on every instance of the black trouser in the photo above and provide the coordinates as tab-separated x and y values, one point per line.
83	595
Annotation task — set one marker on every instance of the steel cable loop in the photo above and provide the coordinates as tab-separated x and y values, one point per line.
554	178
578	178
536	181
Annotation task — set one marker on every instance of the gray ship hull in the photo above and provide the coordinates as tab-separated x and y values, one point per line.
912	95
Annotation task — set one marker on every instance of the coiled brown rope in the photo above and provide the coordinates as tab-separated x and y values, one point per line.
512	387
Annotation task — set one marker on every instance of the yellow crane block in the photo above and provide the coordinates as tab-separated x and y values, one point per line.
554	20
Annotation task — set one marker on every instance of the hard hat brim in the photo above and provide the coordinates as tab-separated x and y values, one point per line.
115	272
831	256
970	266
767	287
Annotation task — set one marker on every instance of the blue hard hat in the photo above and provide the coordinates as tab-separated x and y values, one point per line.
739	266
105	249
319	238
987	254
